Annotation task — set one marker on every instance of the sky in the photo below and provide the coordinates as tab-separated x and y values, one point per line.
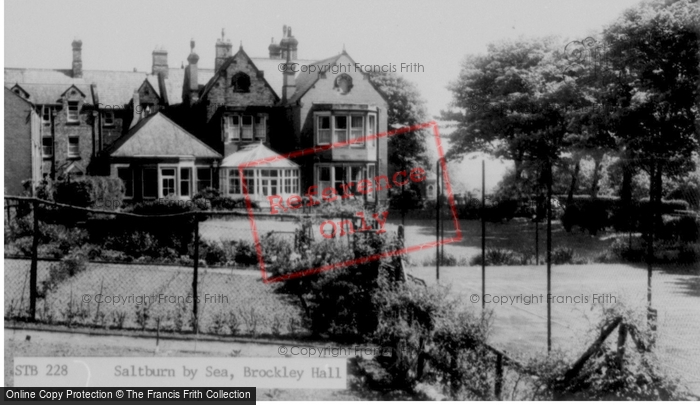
121	34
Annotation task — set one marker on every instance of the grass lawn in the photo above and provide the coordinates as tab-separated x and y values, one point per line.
514	235
522	329
221	291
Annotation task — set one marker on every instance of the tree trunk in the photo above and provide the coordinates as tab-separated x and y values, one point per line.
626	197
658	193
574	182
596	176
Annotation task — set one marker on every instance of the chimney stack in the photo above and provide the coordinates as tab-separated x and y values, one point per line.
288	44
288	81
191	79
274	49
137	109
77	59
223	51
160	62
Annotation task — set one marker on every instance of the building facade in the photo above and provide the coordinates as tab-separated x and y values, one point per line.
174	131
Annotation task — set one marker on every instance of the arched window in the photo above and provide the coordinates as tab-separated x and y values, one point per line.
240	82
431	191
343	84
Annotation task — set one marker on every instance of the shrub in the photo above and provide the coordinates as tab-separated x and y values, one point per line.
207	193
69	266
635	251
639	376
431	341
228	203
213	253
447	260
90	192
338	302
245	253
563	255
499	257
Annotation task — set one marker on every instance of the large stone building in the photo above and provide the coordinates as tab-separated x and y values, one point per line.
174	131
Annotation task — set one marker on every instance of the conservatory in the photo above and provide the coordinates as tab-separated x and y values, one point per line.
279	177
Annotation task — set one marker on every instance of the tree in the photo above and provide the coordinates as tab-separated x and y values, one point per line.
515	103
406	108
655	49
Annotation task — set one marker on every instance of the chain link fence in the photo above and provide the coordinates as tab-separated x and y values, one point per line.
83	267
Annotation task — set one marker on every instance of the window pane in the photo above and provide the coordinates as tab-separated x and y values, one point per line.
324	174
47	146
341	129
185	181
356	122
150	182
234	183
260	122
124	173
324	129
73	146
203	178
356	131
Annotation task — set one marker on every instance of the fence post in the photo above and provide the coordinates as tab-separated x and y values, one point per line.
34	265
483	236
437	222
195	323
498	386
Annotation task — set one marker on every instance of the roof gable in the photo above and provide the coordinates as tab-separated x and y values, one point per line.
253	72
70	89
156	135
309	83
256	152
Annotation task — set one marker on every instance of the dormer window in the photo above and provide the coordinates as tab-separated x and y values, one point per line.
73	111
343	84
240	83
109	119
46	113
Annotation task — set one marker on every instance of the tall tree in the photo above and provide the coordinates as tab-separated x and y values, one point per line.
406	108
514	103
655	50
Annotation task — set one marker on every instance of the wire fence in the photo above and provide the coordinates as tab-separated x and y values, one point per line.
194	272
547	288
143	272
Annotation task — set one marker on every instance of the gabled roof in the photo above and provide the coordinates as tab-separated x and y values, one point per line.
115	88
271	67
255	152
158	136
225	66
307	79
73	87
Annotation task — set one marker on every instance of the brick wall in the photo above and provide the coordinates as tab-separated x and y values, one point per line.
18	147
64	130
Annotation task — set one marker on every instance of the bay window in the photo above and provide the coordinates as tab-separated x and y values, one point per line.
237	127
336	127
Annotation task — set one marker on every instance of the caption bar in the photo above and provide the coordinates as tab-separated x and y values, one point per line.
282	373
243	395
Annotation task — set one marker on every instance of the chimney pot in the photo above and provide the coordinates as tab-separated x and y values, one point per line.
160	62
77	58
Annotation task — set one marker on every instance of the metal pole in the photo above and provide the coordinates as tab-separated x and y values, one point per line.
549	258
437	223
33	266
483	233
194	276
537	230
442	223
